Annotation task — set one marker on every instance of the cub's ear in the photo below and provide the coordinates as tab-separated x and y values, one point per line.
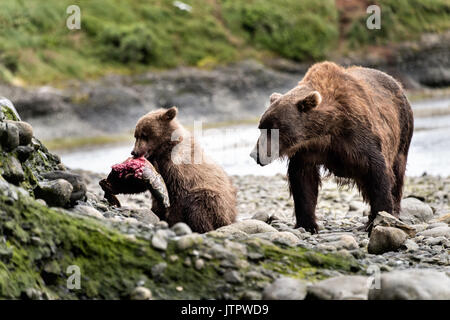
275	96
170	114
312	100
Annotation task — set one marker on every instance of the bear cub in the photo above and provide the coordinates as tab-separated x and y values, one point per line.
200	192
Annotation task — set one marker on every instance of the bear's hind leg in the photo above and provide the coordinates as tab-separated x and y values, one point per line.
398	168
376	188
304	180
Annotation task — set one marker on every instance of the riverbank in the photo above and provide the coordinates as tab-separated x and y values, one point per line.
55	220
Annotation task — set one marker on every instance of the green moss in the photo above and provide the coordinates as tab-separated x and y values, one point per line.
303	263
9	114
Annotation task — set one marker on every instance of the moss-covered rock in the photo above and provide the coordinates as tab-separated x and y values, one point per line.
38	244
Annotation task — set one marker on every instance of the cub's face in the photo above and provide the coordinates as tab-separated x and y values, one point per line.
153	132
283	124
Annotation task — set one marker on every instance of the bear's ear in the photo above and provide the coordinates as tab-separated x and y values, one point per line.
312	100
170	114
275	96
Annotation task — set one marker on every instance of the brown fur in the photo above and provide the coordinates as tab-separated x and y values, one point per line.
200	192
358	126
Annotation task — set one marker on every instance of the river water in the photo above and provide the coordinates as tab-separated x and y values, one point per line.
231	146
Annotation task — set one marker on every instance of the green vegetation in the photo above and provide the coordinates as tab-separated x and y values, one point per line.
133	35
401	20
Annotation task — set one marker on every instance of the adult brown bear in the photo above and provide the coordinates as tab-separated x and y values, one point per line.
355	122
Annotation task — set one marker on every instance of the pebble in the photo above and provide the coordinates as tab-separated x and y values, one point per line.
88	210
233	276
189	241
141	293
181	229
159	240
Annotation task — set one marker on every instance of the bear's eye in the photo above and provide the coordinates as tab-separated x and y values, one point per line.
144	136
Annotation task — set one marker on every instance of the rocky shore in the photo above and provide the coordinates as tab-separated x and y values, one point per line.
52	218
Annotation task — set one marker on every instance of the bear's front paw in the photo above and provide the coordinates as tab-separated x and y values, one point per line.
309	226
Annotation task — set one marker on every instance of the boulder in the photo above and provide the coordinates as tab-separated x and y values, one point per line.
415	211
56	193
412	285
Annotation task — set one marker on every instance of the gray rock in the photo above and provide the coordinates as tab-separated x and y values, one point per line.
12	170
79	188
159	240
24	152
345	241
384	239
285	288
443	231
158	269
145	215
229	232
262	216
162	224
55	193
233	276
387	220
410	246
340	288
435	241
415	211
88	211
283	237
444	218
252	226
7	104
188	241
199	264
141	293
412	285
181	229
9	135
25	131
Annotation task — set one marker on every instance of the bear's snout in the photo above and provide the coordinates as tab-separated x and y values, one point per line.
254	154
